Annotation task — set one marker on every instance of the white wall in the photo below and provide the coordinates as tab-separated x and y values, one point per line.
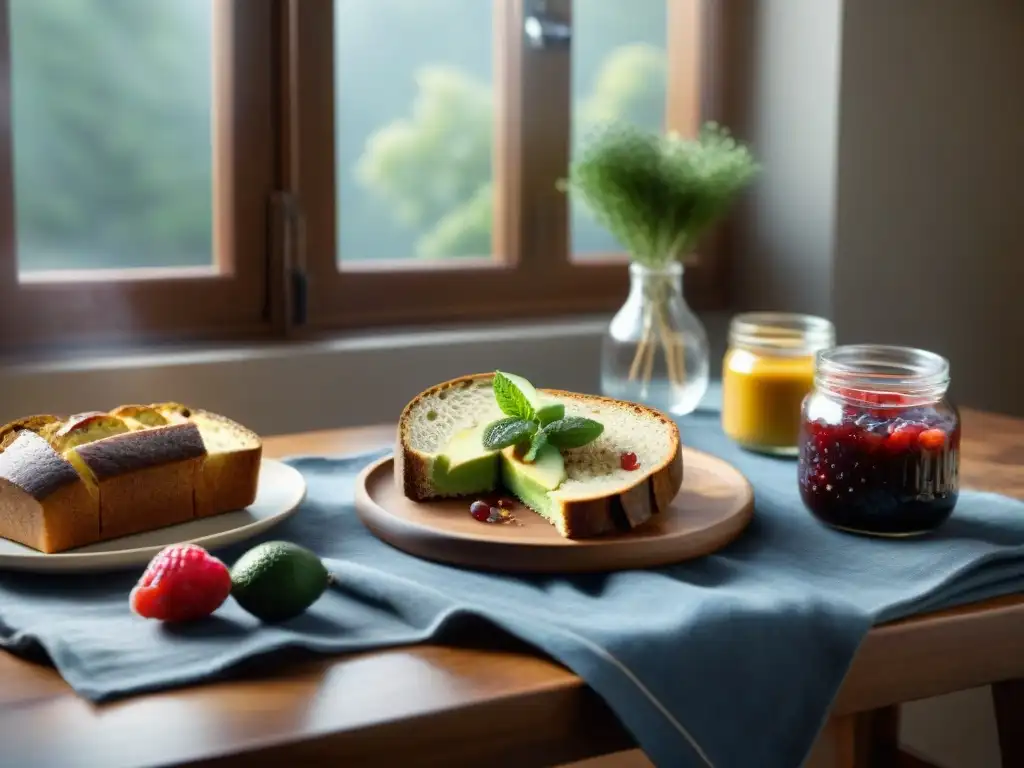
930	218
928	244
784	69
892	135
893	201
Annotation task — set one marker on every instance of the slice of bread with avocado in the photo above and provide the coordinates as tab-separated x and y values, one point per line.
572	461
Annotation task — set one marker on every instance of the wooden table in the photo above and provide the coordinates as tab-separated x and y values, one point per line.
498	703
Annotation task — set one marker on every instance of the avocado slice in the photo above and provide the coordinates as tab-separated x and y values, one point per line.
466	466
533	482
547	410
550	411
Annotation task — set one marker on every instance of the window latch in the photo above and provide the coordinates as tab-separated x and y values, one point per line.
289	303
544	30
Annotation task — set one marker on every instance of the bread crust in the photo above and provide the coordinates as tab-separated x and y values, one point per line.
144	479
130	452
413	468
147	499
628	507
44	504
227	480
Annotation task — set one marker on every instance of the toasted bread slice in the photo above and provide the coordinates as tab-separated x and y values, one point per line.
44	504
140	416
86	427
45	425
143	479
175	413
597	496
230	472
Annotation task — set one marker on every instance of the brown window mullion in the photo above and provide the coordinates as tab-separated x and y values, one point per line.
540	94
685	48
693	97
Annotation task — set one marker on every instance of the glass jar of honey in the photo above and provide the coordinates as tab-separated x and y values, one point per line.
767	372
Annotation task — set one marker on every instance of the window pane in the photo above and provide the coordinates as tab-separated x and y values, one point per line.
112	132
619	74
414	128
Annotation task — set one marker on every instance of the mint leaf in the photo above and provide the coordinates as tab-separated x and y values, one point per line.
538	441
573	432
505	432
510	398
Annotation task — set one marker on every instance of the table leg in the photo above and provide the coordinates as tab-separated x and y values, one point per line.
1008	700
864	740
869	739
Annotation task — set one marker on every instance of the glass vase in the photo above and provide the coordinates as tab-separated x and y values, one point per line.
656	350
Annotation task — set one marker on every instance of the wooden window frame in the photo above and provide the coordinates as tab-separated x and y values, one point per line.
230	299
274	201
532	273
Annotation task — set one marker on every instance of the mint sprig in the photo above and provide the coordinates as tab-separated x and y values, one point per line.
531	429
510	398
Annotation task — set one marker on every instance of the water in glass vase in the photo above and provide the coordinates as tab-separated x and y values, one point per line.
656	350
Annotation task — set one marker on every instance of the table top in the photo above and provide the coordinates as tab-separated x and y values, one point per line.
498	703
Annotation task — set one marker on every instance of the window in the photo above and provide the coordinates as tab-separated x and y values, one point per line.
179	169
135	167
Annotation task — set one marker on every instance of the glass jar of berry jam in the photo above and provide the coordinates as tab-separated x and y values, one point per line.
879	442
767	372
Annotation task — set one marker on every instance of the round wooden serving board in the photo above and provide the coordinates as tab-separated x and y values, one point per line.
713	507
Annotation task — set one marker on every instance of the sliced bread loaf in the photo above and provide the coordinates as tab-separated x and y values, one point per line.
65	483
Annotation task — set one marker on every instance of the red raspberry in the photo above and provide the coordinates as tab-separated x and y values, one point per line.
629	462
932	439
903	437
183	582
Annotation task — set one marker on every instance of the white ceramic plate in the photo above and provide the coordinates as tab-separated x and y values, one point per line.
281	490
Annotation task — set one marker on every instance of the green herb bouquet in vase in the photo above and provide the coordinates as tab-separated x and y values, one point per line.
657	194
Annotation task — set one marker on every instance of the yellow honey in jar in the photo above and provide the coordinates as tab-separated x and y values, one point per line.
767	372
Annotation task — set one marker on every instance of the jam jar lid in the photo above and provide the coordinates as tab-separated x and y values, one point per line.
860	372
781	333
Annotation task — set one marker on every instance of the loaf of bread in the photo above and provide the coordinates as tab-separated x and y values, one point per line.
66	483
